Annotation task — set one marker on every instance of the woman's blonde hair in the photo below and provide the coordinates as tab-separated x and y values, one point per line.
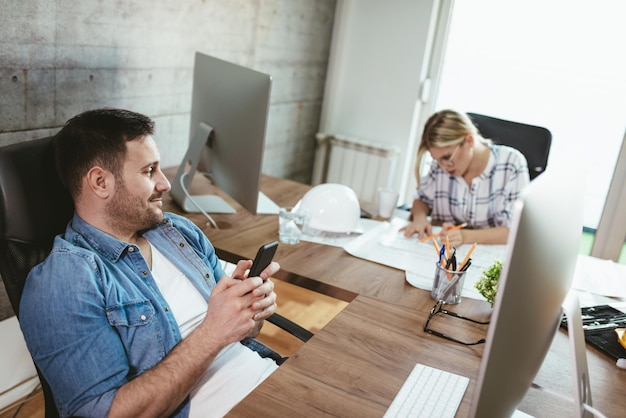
443	129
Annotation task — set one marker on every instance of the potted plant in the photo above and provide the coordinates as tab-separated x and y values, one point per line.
487	285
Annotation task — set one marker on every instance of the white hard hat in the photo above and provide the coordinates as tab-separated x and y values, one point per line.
330	207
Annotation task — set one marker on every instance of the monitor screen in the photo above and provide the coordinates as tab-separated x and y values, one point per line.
538	270
229	112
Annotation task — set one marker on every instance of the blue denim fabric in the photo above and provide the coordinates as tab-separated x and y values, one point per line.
263	350
93	317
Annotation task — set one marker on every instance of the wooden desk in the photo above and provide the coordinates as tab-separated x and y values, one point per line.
243	233
355	366
358	362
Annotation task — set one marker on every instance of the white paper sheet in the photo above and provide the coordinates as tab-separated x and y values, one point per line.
337	239
600	277
386	245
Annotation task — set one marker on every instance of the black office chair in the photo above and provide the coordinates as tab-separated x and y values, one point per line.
34	207
532	141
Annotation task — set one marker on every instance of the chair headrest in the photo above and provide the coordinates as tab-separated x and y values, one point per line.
532	141
34	205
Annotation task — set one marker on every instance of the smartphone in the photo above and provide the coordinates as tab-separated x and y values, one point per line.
263	258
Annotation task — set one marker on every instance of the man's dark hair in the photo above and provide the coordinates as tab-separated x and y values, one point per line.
96	137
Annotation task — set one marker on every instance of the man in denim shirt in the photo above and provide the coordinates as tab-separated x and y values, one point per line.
132	314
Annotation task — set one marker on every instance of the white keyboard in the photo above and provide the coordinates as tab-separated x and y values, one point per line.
428	392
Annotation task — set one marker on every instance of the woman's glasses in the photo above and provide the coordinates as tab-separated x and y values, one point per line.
448	160
438	309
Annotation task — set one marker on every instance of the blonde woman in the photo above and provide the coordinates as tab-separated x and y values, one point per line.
471	180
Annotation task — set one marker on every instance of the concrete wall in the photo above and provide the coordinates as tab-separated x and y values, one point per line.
61	57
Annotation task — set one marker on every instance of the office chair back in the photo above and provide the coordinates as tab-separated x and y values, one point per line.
34	207
532	141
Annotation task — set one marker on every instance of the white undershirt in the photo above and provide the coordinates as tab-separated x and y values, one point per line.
234	372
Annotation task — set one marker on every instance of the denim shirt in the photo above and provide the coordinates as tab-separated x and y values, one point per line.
93	317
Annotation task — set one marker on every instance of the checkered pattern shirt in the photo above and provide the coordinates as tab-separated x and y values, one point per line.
488	201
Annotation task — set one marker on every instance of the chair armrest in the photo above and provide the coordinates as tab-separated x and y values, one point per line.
291	327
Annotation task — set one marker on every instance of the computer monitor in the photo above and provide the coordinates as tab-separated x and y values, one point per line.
229	110
537	274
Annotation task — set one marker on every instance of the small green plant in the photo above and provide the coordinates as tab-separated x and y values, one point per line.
487	285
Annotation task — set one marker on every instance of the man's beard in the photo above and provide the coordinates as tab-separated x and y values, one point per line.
130	212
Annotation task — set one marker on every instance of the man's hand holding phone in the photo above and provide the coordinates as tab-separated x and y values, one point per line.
264	304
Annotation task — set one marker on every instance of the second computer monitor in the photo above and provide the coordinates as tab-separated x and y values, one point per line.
231	102
537	274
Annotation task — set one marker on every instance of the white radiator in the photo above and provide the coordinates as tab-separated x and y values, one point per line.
362	165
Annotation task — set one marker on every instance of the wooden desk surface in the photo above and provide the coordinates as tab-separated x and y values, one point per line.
363	356
358	362
355	366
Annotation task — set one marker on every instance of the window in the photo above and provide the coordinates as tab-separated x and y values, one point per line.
555	64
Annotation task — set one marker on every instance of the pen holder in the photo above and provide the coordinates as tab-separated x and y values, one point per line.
447	285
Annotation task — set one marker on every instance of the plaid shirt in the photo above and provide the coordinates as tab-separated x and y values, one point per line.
488	201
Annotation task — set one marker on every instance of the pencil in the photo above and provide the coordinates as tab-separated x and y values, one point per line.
454	228
436	246
467	256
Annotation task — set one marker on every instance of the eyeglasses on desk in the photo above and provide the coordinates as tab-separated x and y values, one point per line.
439	309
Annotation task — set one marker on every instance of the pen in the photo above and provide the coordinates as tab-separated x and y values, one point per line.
471	250
451	260
443	250
454	228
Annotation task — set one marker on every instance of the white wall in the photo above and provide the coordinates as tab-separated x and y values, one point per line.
379	58
16	365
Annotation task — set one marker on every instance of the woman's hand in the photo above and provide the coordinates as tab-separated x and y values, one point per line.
421	227
455	236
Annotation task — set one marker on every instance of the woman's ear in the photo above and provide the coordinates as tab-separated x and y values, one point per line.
100	182
469	138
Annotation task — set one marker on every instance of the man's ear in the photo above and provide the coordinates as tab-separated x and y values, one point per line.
100	182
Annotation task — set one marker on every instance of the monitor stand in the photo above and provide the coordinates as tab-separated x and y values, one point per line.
578	351
206	203
185	173
215	204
